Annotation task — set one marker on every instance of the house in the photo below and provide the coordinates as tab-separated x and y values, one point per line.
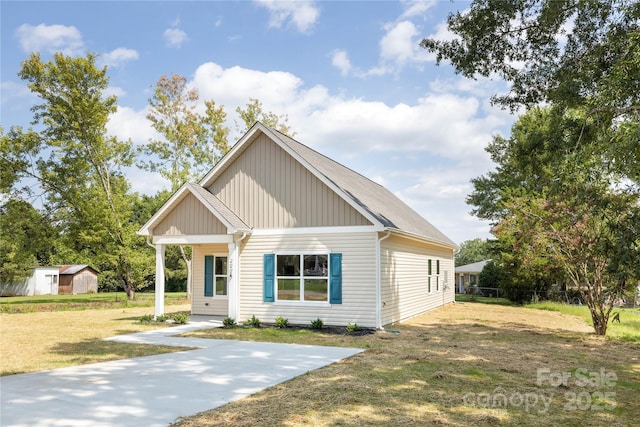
43	281
278	229
77	279
468	274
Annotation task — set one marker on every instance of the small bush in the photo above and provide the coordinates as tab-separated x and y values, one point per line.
180	318
353	328
254	321
317	324
162	318
147	318
228	322
281	322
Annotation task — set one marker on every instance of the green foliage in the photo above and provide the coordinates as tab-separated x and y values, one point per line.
491	275
353	327
180	318
474	250
253	322
253	113
317	324
281	322
147	318
162	318
228	322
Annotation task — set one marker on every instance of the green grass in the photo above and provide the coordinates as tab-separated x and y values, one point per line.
627	330
30	304
483	300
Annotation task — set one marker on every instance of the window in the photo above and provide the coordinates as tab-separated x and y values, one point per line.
215	276
437	275
429	272
303	277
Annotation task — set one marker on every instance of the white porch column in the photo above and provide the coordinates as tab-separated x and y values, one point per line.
233	286
159	280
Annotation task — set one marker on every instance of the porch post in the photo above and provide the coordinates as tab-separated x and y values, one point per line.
159	309
234	284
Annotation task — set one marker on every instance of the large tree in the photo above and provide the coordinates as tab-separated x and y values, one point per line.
474	250
77	166
253	112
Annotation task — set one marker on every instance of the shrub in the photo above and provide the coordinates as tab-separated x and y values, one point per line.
228	322
162	318
317	324
180	318
281	322
254	321
353	328
147	318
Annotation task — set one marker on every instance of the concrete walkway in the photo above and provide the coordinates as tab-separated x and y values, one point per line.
156	390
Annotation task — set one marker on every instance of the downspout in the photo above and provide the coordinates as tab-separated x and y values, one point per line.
236	261
379	280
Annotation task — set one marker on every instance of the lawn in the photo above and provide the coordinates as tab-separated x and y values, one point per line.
464	364
46	340
105	300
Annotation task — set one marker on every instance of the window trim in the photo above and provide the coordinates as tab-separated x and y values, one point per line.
301	277
215	294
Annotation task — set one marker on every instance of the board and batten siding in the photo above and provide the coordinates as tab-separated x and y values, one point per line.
404	275
189	217
358	279
211	306
267	188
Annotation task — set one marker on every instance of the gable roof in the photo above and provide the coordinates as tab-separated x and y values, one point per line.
475	267
73	269
373	201
214	205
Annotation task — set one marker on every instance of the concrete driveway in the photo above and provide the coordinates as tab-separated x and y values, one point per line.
156	390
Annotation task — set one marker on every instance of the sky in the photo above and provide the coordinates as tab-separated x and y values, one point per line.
349	75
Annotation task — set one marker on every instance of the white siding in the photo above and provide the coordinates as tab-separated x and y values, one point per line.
404	264
358	278
212	306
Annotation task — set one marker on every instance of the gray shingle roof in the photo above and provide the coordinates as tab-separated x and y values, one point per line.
476	267
381	203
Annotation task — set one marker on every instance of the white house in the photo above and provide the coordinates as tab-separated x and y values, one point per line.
43	281
468	274
278	229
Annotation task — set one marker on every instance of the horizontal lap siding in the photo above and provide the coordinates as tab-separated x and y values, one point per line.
358	278
217	306
404	265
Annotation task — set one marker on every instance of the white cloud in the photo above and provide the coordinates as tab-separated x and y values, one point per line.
416	7
127	123
302	14
50	39
119	56
340	60
12	91
175	37
116	91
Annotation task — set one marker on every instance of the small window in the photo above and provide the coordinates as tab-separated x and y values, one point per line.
216	276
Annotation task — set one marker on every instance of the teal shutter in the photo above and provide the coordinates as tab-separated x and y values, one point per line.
269	279
335	278
208	276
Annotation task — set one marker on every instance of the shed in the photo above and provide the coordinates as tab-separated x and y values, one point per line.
77	279
43	281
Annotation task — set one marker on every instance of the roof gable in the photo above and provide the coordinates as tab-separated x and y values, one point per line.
380	206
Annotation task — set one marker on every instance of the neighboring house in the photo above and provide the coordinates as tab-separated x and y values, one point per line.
77	279
278	229
43	281
468	275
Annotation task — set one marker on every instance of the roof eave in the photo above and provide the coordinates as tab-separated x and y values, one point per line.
414	236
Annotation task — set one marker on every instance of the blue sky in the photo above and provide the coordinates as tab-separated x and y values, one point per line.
350	76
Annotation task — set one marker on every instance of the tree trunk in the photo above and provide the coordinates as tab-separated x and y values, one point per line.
187	261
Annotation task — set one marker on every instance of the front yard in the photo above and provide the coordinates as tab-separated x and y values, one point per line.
464	364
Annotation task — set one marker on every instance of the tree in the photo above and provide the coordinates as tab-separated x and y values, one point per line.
253	113
590	230
77	165
474	250
191	143
27	239
572	52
